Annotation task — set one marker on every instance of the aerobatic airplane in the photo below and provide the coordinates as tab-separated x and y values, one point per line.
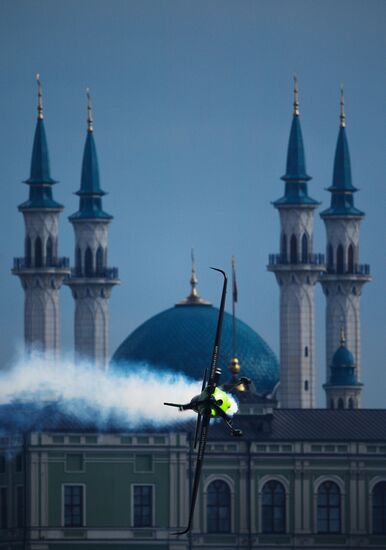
211	402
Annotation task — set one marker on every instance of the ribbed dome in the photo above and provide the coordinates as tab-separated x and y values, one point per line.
343	358
181	339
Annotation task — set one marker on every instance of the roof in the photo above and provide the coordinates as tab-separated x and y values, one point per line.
296	177
40	181
314	425
286	424
90	192
342	189
181	339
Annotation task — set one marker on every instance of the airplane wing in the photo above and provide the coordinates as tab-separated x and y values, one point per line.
215	371
197	473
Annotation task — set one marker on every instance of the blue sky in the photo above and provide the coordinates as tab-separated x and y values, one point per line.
192	111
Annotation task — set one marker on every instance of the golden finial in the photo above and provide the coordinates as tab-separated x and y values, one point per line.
89	111
193	278
40	97
342	335
193	298
296	96
234	365
342	113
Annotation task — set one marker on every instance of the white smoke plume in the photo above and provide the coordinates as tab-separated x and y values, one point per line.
79	389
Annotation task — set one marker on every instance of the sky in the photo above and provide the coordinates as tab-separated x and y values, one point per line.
192	104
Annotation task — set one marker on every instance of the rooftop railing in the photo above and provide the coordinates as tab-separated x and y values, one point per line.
357	269
29	263
282	259
103	273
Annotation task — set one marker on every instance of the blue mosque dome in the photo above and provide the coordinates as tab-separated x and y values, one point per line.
343	358
343	371
181	339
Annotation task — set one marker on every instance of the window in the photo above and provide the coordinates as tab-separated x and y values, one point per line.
379	508
294	250
339	259
99	261
78	261
330	258
350	259
284	248
49	251
304	249
28	251
3	508
306	385
3	464
219	507
340	403
273	507
88	271
20	507
38	253
143	505
73	505
351	403
306	351
329	508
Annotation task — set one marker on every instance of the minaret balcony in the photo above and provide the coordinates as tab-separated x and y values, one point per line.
110	273
279	260
24	263
357	269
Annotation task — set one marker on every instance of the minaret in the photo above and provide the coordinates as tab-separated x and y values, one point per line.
342	388
343	281
91	280
297	270
41	271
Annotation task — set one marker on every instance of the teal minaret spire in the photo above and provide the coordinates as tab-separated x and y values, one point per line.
40	181
90	192
342	190
41	271
344	279
296	177
297	270
91	280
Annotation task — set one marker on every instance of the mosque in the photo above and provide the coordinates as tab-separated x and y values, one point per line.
301	477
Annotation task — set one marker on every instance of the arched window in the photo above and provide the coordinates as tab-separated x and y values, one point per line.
379	508
330	257
88	270
329	514
49	251
273	507
78	261
331	404
219	507
351	403
340	403
38	253
304	249
28	251
350	259
294	250
99	261
284	248
339	259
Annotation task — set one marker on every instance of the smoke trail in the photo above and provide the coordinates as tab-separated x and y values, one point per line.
134	400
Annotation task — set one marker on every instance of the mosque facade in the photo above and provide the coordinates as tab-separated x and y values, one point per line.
300	477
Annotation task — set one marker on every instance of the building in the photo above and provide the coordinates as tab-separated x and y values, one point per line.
299	478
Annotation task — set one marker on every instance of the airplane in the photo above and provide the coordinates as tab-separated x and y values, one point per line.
211	402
